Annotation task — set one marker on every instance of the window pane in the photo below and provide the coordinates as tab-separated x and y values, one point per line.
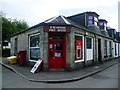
90	17
101	24
34	47
78	52
58	46
34	53
51	52
90	22
34	41
89	43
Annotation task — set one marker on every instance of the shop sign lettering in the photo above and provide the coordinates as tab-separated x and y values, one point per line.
57	29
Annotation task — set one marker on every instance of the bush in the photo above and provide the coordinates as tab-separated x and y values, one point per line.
6	52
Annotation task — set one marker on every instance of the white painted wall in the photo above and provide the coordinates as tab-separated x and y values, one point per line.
89	52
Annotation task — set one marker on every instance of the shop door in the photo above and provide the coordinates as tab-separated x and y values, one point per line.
57	51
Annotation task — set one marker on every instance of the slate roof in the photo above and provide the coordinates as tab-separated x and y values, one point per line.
88	12
103	20
95	29
62	20
58	20
105	33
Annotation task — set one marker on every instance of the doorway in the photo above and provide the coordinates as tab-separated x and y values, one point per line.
56	51
99	51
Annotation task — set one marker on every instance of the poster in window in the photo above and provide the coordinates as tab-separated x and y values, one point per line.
34	53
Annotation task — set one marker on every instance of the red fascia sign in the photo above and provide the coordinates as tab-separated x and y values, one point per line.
57	29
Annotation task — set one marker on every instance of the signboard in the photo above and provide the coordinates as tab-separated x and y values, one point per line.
57	29
36	66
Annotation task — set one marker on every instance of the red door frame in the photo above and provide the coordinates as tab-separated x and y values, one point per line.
51	62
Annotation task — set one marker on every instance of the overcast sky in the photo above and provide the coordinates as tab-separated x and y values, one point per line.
36	11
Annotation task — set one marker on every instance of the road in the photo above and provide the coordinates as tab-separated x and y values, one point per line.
105	79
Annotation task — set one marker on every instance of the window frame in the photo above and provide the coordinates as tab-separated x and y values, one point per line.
34	47
81	60
95	19
90	20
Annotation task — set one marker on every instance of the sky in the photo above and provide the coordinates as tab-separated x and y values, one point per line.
36	11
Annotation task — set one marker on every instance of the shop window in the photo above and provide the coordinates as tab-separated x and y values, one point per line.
34	53
34	41
78	52
78	47
34	47
89	43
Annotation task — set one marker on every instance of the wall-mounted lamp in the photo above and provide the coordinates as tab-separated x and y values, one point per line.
86	33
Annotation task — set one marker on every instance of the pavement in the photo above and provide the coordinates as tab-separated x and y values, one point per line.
58	76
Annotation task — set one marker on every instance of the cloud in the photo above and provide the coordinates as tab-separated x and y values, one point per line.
39	10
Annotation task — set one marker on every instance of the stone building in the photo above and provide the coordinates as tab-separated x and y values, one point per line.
68	42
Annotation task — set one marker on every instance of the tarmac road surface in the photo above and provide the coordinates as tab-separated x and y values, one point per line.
105	79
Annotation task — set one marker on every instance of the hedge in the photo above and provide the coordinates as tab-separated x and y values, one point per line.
6	52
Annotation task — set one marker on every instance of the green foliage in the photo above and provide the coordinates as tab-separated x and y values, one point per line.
6	52
11	26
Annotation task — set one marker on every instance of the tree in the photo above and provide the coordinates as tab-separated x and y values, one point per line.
11	26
